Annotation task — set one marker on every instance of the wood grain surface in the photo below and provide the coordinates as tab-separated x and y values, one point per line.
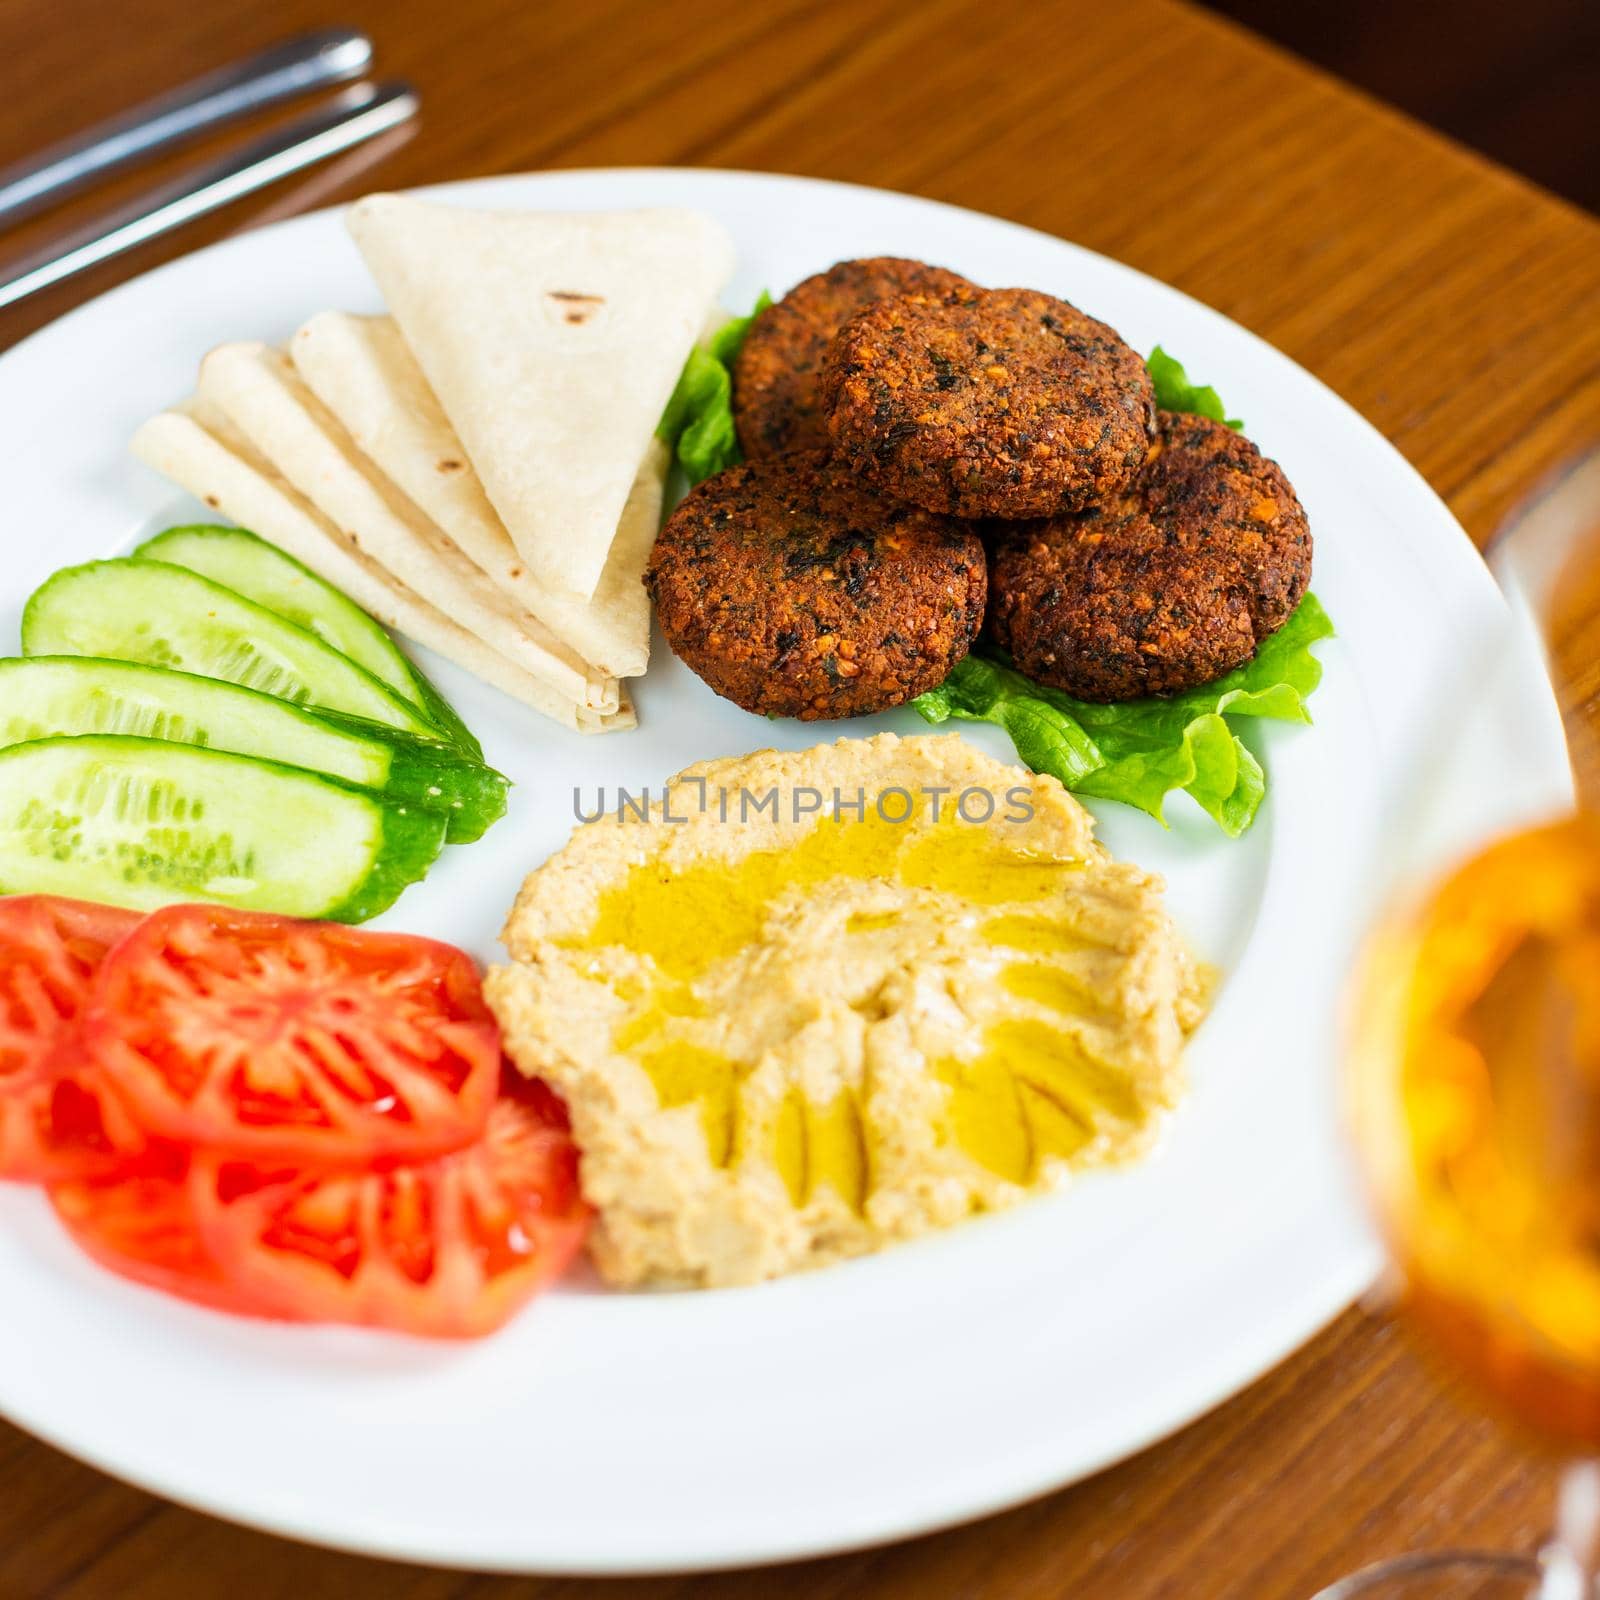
1454	305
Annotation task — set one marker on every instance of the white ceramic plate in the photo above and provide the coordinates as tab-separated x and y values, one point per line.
607	1432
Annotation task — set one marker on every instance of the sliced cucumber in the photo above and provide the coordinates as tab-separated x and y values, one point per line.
144	823
247	564
166	616
44	697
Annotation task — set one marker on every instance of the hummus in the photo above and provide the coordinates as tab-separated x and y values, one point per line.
795	1033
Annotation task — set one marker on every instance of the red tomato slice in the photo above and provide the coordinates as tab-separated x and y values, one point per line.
142	1227
301	1041
58	1116
447	1248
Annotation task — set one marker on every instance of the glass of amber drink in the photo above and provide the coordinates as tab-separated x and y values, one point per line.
1474	1092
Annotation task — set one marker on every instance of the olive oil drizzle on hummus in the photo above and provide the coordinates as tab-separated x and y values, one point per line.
1031	1094
687	919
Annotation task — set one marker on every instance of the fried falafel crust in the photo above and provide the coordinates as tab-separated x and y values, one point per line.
1166	586
794	592
987	403
776	404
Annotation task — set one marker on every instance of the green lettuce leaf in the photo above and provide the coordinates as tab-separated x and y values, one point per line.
698	421
1139	751
1174	392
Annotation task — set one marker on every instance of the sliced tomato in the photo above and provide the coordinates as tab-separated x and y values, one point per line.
447	1248
59	1117
302	1041
141	1225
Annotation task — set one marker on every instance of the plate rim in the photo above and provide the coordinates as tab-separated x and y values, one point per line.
1268	1345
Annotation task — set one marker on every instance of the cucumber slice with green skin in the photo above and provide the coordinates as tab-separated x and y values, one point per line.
166	616
43	697
143	823
447	724
247	564
433	773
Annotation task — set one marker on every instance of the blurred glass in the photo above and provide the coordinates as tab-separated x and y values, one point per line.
1474	1085
1465	1575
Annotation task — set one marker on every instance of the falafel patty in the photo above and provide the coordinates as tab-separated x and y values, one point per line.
775	401
793	591
1170	584
987	403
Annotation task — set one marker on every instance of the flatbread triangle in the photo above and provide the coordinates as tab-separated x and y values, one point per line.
553	343
363	371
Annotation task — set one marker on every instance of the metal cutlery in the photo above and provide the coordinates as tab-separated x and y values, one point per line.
283	72
354	116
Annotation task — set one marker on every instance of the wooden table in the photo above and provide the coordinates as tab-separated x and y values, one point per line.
1454	305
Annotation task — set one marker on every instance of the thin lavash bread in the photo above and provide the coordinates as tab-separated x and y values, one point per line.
363	371
553	342
256	386
199	449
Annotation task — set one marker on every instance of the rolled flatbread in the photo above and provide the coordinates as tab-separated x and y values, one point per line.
553	343
256	387
198	448
362	370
